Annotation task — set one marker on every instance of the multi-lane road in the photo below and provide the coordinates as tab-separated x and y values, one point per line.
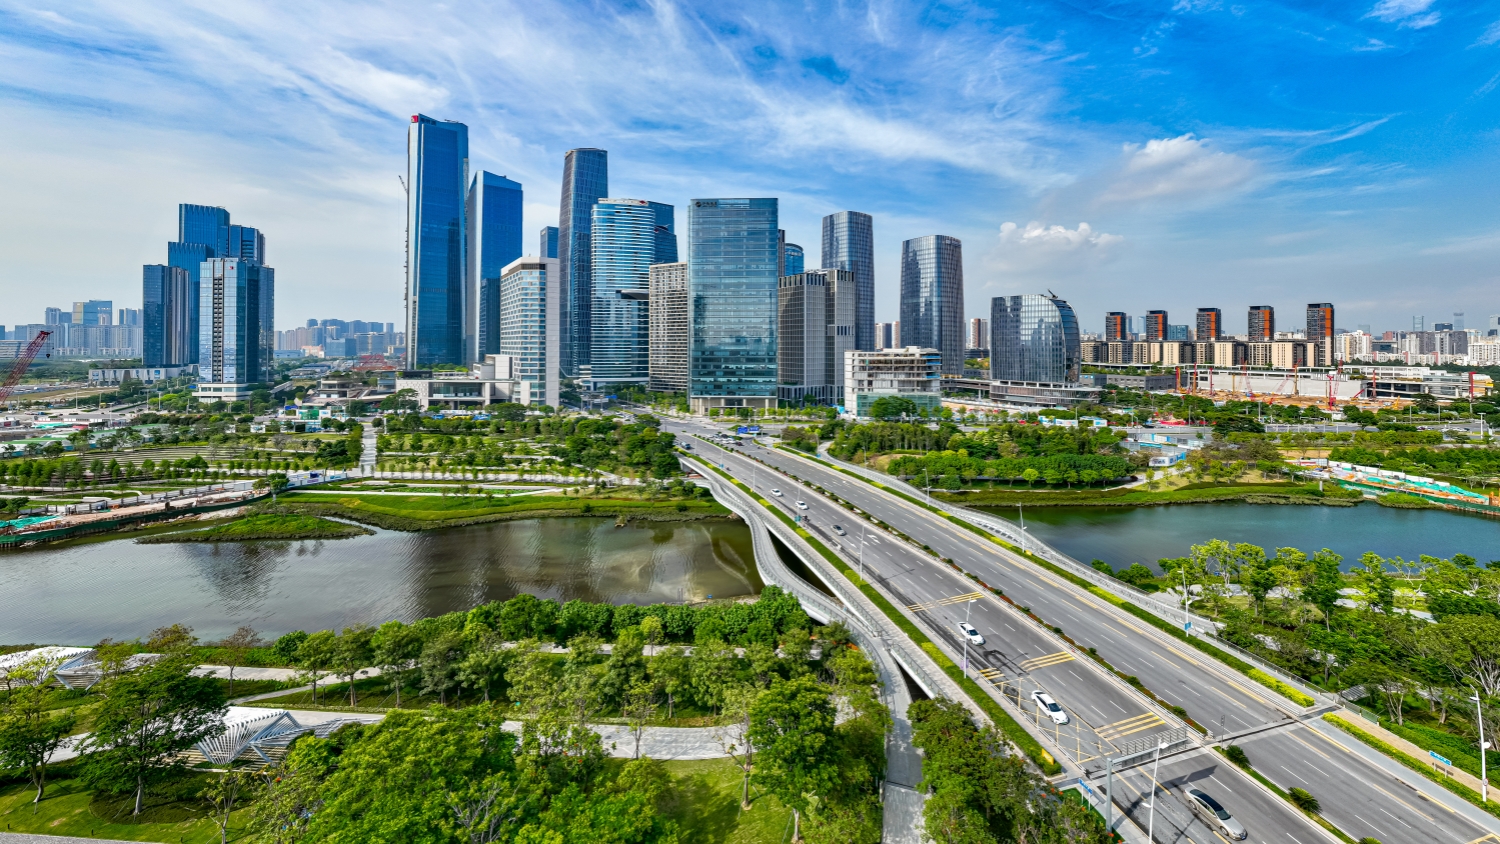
1361	794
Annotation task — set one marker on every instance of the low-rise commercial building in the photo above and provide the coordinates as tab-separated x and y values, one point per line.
911	372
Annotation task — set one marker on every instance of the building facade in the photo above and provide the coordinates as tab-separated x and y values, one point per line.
979	333
493	209
170	307
623	235
668	309
1320	331
849	244
666	233
815	328
1262	324
1156	326
585	181
531	323
732	263
793	260
236	328
1116	327
911	372
1210	325
932	298
1034	338
548	242
437	289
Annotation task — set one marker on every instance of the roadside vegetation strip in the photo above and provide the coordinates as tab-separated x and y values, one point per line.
264	526
1414	763
1280	792
1277	492
1002	719
1147	616
413	513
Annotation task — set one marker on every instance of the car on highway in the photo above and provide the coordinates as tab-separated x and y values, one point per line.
1215	815
801	505
1045	702
839	529
776	492
970	633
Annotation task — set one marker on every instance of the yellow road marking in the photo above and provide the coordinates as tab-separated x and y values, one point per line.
1250	693
927	606
1299	740
1491	837
1226	696
1329	740
1120	729
1044	661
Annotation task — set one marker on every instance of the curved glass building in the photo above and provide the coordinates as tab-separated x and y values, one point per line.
624	234
932	297
849	244
1033	338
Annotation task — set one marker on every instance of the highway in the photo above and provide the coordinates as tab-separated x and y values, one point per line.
1359	795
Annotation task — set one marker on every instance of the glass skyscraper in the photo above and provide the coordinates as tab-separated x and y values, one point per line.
666	233
530	322
585	182
549	242
1033	338
624	233
732	265
437	304
205	224
236	333
932	297
493	209
246	243
849	244
794	260
170	305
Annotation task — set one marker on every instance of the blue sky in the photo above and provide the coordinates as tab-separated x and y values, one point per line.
1125	155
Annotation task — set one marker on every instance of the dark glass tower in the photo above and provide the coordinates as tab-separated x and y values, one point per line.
793	260
202	232
494	214
625	246
849	244
549	242
1033	338
585	182
666	233
932	297
169	302
437	304
732	258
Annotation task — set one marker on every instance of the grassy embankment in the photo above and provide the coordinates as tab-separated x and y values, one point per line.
1271	492
707	809
424	512
264	526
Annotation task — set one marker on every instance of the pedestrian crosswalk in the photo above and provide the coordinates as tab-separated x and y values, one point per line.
928	606
1045	661
1120	729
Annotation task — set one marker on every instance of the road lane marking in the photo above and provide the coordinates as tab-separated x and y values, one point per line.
1230	699
1320	735
1298	738
1396	819
928	606
1293	773
1045	661
1120	729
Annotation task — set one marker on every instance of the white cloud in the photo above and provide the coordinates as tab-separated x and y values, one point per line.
1491	34
1038	253
1176	168
1409	14
1056	239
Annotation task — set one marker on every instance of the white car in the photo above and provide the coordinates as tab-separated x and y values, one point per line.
1045	702
839	529
776	492
801	505
973	635
1215	815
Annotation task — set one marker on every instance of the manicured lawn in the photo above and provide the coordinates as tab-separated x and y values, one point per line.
415	512
175	814
266	526
708	806
1139	496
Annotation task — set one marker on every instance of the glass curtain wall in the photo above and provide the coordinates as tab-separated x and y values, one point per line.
732	264
437	291
932	298
585	181
1033	338
624	242
849	244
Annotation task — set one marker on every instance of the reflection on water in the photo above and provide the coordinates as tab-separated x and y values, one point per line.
119	589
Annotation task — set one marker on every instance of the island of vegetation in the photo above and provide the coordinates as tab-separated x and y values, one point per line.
264	526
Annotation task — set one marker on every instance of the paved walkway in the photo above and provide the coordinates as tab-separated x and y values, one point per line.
28	838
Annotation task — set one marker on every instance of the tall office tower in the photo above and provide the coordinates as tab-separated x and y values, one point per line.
1034	338
1156	326
624	248
849	244
668	314
780	252
437	290
531	325
1116	327
247	244
732	288
1418	323
170	304
1320	332
979	333
57	316
1493	328
932	297
205	224
815	327
549	242
1458	320
129	316
1177	332
794	260
585	181
1210	325
236	334
1365	327
883	335
666	233
493	209
1262	324
93	312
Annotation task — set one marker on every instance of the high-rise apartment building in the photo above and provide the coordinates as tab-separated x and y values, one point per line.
666	233
623	236
531	323
932	297
585	181
1116	327
549	242
57	316
170	305
887	336
1458	320
794	260
1034	339
668	308
493	209
979	333
732	265
1320	332
438	300
1419	323
236	327
849	244
128	316
1156	326
815	327
1262	323
1210	325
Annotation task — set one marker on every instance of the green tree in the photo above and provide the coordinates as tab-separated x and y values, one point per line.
352	651
396	649
671	670
1376	589
1326	580
29	730
147	719
713	667
892	407
224	794
237	647
439	662
484	665
316	653
791	726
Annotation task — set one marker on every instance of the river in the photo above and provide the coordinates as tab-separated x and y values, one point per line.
118	589
1124	535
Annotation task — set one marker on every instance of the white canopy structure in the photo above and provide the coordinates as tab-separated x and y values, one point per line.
260	734
39	665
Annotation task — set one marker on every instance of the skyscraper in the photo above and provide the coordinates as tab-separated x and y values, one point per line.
932	297
849	244
247	244
236	334
549	242
205	224
979	333
170	305
437	291
493	209
93	312
1210	325
1034	338
795	261
815	327
1262	324
666	233
668	306
732	260
1116	327
1156	325
531	323
624	248
1320	331
585	181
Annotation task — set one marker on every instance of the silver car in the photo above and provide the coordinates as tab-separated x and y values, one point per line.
1216	816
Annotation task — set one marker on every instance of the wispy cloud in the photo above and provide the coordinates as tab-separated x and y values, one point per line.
1409	14
1180	168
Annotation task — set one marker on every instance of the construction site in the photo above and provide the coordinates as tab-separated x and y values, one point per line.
1368	388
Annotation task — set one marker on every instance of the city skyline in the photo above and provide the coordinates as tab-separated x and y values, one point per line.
1075	151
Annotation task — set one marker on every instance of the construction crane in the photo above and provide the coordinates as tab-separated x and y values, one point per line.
23	360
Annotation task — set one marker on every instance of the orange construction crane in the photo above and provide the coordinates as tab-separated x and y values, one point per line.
23	360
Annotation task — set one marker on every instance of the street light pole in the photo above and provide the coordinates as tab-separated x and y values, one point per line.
1484	778
1151	815
967	607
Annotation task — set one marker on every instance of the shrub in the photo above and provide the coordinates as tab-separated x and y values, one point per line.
1304	800
1236	754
